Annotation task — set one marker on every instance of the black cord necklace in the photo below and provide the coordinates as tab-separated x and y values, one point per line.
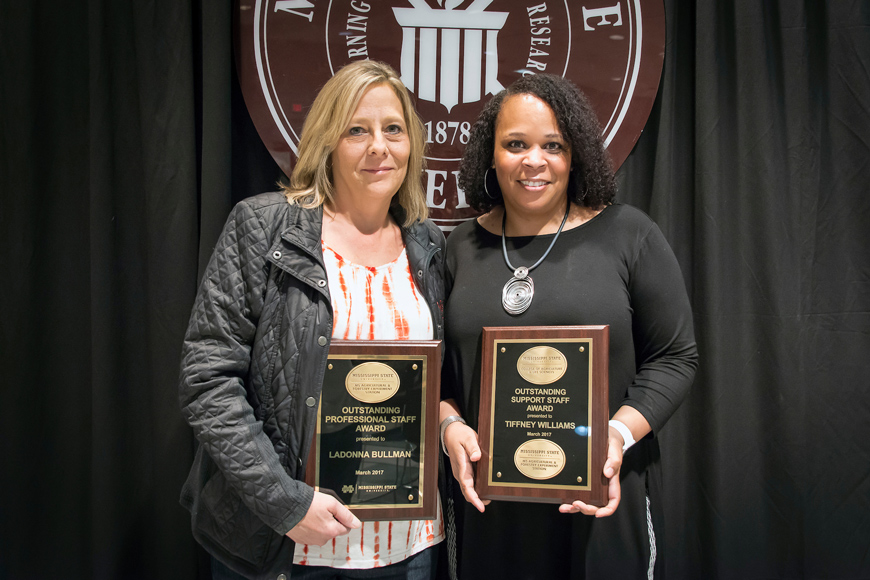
517	294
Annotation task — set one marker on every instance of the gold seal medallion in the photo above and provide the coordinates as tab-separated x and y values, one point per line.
539	459
542	365
372	382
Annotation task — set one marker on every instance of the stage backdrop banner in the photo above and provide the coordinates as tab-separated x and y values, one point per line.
453	55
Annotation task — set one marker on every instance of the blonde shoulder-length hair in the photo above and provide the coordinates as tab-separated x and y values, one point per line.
311	180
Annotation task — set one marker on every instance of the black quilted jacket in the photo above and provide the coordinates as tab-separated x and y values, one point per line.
252	366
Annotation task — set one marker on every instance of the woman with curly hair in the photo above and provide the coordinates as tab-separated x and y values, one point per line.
537	168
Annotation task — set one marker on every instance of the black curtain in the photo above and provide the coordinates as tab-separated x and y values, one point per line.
124	141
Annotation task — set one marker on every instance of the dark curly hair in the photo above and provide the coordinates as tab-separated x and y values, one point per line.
591	182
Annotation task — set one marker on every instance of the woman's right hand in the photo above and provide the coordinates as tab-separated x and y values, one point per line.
462	445
326	519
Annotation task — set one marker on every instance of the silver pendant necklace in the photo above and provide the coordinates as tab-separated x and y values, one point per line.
517	294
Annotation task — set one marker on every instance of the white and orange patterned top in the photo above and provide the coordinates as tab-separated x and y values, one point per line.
375	303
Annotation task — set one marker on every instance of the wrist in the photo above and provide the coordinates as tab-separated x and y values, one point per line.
625	432
446	423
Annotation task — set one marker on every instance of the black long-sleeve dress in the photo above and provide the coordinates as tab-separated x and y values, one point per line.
616	269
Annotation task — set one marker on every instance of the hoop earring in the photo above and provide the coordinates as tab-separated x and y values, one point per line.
485	188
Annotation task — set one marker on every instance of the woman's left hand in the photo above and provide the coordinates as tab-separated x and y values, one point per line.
611	471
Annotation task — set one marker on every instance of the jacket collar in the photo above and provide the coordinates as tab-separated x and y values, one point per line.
304	228
415	232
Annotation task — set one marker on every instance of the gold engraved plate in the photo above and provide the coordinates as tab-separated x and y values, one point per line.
542	365
539	459
372	382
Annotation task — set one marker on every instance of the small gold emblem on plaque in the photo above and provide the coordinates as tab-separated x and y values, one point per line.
542	365
540	459
372	382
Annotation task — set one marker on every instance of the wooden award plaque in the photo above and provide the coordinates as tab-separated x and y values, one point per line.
543	414
375	446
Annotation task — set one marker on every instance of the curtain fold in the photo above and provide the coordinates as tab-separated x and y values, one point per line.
759	181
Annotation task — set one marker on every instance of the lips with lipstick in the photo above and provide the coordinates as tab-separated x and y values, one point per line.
534	184
378	170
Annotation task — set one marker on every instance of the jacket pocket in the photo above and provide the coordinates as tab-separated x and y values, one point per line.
225	521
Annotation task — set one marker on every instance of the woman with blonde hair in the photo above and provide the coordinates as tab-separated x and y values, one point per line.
343	252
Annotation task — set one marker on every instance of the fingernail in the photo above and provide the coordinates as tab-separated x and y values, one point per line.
356	522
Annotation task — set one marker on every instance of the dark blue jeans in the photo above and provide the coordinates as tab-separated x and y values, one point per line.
420	566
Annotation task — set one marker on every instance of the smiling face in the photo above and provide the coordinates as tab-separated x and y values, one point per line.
371	159
532	159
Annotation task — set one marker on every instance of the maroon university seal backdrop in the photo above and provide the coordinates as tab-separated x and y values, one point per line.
453	55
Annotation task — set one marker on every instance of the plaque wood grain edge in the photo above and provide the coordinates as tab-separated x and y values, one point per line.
600	413
428	431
